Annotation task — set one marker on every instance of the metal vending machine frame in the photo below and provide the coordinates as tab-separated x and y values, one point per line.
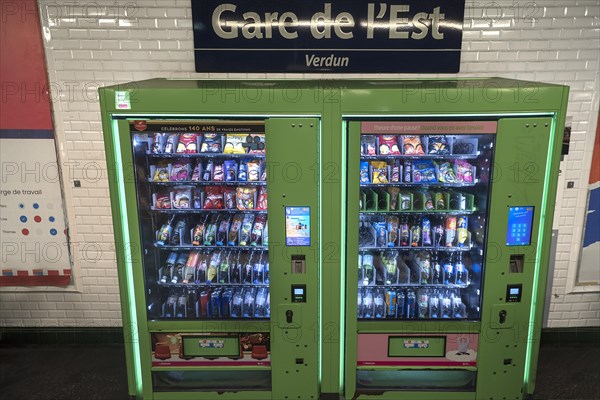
312	131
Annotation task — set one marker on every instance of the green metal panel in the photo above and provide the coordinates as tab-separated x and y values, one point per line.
294	181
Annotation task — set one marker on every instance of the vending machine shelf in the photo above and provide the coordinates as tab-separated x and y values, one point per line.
440	248
418	185
208	183
204	211
418	212
205	155
421	157
200	248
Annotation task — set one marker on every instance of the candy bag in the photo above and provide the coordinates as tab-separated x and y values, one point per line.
464	171
235	144
218	175
424	171
426	232
450	231
388	145
396	172
253	170
197	198
255	143
161	173
257	230
198	233
180	171
177	234
381	233
229	198
440	203
230	167
261	203
164	234
369	145
171	144
182	198
243	172
234	230
412	145
404	234
211	143
245	198
364	172
208	171
429	201
187	143
163	201
213	198
263	171
415	233
379	172
197	172
158	143
446	173
438	145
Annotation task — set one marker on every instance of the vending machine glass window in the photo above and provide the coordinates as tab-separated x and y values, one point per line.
423	218
202	198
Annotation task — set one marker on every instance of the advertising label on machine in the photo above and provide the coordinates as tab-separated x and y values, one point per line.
351	36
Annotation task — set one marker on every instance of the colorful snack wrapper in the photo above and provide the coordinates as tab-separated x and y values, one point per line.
424	171
163	201
405	203
392	228
213	198
438	232
426	232
218	175
234	230
164	234
210	232
211	143
462	232
429	206
388	145
394	192
255	143
370	145
446	173
230	170
381	233
257	230
263	171
245	198
208	171
438	145
180	171
234	144
229	198
261	203
197	198
198	233
182	198
197	173
404	234
171	144
415	234
364	172
253	170
243	172
222	232
450	231
412	145
161	173
440	203
407	171
464	171
245	229
158	143
396	172
188	143
379	172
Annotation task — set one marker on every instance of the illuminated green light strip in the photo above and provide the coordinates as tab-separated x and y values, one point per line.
538	255
320	285
127	260
342	327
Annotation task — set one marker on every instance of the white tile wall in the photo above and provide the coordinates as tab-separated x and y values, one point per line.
91	44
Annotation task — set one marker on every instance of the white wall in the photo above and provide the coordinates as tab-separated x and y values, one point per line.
105	42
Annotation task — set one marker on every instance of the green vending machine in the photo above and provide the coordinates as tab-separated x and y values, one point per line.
381	239
450	190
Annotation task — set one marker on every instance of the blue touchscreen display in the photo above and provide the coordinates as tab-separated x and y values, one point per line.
520	220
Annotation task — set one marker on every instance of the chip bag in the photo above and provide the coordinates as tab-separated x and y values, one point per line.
388	145
379	172
234	144
187	143
245	198
213	198
412	145
182	198
211	143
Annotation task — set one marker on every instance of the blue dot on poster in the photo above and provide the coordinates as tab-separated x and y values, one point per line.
36	205
21	205
51	219
53	232
23	218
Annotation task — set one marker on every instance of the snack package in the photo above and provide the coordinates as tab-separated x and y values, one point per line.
379	172
396	172
218	175
438	232
182	198
197	173
381	233
424	171
208	171
438	145
429	206
255	143
245	229
407	171
234	229
253	170
234	143
164	234
462	232
213	198
415	233
171	144
222	231
245	198
392	228
446	173
210	232
211	143
388	145
464	171
369	143
177	233
261	202
197	198
440	203
229	198
426	232
230	167
161	172
394	192
412	145
198	233
163	201
364	172
263	171
158	143
257	230
405	201
180	171
450	231
188	143
243	172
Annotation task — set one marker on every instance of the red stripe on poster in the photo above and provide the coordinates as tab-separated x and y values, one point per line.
46	280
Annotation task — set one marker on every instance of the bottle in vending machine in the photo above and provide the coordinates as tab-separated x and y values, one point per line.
214	308
379	303
267	278
449	277
423	303
268	305
182	305
249	300
401	304
411	305
434	305
368	304
226	302
446	305
168	268
390	303
237	301
178	270
438	273
359	304
170	306
460	272
261	300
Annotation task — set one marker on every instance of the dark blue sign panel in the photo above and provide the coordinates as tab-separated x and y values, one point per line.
313	36
520	220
